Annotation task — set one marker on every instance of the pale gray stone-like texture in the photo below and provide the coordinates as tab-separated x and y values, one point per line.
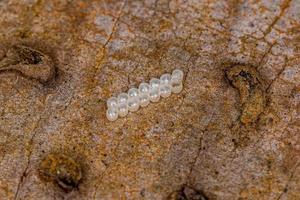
190	144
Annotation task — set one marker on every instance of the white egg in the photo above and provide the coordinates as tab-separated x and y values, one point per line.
112	114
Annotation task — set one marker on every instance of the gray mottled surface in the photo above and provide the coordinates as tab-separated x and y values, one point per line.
195	138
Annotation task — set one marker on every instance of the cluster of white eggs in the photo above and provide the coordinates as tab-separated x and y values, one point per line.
144	94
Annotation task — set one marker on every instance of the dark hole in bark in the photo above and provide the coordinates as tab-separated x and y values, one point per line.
29	56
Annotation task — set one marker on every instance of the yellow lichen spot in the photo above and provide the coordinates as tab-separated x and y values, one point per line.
249	84
62	170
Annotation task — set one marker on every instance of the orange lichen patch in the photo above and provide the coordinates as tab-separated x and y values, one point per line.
2	52
270	185
253	107
61	169
29	62
5	189
247	80
165	25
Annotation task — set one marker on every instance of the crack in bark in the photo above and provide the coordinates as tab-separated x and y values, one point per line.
285	5
106	169
25	172
99	61
195	160
260	63
31	143
109	38
278	75
289	180
198	152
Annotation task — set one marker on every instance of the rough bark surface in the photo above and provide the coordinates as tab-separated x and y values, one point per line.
233	133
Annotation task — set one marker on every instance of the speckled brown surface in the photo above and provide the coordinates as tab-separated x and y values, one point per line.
192	143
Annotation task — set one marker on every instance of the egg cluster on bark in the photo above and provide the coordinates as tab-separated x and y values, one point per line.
135	98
